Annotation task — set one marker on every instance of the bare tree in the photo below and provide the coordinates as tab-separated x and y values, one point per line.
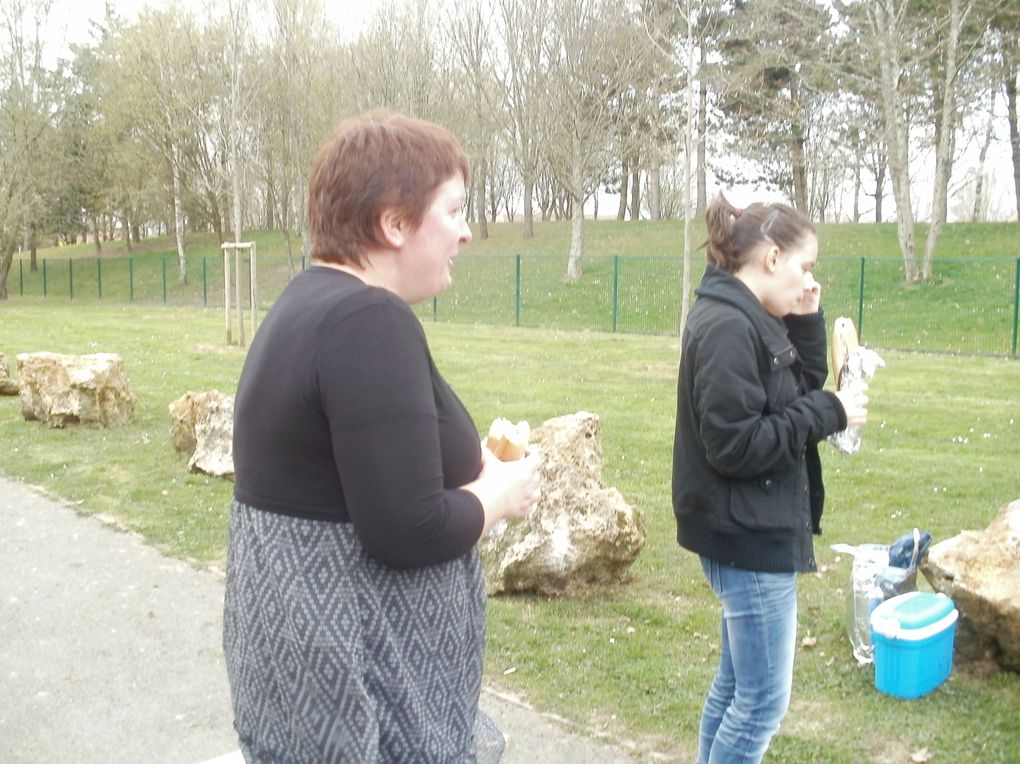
24	124
521	26
946	106
592	58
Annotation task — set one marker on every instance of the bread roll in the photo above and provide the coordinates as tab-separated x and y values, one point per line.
508	441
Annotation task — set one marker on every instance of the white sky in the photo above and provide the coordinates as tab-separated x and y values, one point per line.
71	17
69	23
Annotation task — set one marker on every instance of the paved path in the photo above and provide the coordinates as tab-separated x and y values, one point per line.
110	652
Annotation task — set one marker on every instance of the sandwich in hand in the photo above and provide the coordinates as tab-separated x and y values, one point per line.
508	441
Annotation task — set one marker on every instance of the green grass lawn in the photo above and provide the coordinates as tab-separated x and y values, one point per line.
940	452
631	282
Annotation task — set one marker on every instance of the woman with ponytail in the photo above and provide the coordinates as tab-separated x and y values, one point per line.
747	480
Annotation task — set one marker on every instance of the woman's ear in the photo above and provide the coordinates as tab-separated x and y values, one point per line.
392	227
772	258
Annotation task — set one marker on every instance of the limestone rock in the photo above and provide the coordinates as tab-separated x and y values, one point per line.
202	426
582	533
980	571
66	390
8	386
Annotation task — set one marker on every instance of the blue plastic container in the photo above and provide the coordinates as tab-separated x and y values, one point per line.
913	636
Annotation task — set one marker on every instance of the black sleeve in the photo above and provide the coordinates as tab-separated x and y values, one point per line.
740	439
807	333
376	387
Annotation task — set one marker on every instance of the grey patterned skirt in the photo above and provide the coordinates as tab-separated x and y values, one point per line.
333	657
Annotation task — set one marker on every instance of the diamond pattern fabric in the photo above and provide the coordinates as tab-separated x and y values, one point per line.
333	657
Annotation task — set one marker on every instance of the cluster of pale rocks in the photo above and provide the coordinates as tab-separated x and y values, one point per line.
583	534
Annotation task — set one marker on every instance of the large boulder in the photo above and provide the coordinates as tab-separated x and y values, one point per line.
8	386
202	426
66	390
582	533
980	571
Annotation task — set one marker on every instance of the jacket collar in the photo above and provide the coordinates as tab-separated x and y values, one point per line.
721	285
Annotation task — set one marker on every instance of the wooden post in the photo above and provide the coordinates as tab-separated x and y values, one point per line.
238	292
226	290
254	291
234	248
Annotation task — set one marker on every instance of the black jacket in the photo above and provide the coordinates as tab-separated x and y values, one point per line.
747	479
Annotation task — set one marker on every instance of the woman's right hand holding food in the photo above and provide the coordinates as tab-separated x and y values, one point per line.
854	400
507	489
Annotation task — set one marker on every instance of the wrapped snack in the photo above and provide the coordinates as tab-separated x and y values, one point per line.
851	362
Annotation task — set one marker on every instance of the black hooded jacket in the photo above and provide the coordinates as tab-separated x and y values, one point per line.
747	479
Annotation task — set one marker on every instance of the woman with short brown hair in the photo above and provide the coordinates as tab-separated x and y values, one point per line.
355	608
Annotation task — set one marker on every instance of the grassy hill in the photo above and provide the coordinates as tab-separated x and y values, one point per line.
631	281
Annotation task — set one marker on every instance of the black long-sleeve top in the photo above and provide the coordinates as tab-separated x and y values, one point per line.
747	479
341	415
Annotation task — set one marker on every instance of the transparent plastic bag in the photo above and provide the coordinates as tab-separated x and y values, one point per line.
489	741
864	595
879	572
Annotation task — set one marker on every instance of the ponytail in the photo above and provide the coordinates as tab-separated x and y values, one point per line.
733	233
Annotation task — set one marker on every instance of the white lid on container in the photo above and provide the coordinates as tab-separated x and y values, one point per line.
914	616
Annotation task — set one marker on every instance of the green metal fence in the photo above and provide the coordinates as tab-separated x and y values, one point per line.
969	306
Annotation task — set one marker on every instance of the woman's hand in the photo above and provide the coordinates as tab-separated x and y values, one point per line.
812	298
854	400
507	489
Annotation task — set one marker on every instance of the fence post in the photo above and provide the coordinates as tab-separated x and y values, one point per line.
616	287
70	278
131	279
517	292
44	277
435	308
99	276
164	279
860	302
1016	307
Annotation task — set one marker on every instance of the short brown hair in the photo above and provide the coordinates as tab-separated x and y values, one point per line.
371	163
733	232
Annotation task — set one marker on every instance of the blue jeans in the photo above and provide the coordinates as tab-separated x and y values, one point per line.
751	691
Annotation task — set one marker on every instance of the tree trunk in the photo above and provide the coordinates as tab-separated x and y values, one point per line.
270	223
480	175
576	241
944	130
621	211
689	174
654	190
978	212
797	141
95	234
182	259
529	221
635	195
897	131
6	260
879	191
1014	125
702	130
576	219
857	191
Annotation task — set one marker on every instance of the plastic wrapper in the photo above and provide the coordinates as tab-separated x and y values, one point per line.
860	365
864	595
489	741
879	572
